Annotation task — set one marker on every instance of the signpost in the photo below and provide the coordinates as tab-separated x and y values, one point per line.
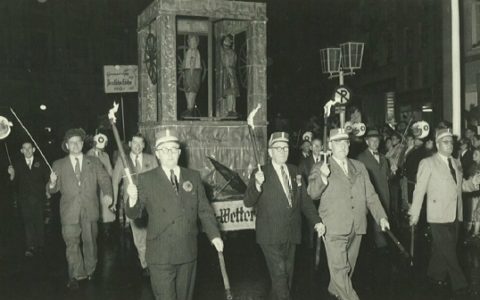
121	79
233	215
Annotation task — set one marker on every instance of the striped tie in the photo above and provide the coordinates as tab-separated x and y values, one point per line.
286	185
174	181
77	170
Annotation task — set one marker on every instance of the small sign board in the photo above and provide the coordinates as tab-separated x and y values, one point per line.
120	79
233	215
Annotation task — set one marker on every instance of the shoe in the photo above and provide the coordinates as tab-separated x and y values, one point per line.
232	114
145	272
462	293
72	284
30	252
437	283
333	295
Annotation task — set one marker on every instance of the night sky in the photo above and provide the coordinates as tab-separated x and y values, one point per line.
296	86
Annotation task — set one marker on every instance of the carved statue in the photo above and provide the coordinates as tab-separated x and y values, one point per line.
192	73
228	79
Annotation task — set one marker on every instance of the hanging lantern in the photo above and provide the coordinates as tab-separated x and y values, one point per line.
352	54
4	127
330	59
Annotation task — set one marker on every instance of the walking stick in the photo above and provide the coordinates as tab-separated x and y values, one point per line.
226	282
398	244
412	243
317	251
31	137
8	154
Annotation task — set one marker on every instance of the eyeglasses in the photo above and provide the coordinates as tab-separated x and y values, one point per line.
169	150
280	149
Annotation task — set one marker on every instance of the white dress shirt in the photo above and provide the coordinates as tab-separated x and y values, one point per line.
74	162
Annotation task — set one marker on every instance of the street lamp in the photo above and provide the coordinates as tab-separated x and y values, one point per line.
342	61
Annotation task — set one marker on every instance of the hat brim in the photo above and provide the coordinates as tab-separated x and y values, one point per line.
277	141
441	136
341	137
164	141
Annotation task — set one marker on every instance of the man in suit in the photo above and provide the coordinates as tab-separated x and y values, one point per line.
107	216
174	198
139	162
379	172
306	164
29	176
465	154
440	177
77	177
279	195
304	168
345	193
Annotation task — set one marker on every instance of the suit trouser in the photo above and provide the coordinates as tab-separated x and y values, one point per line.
342	252
173	282
280	260
33	222
140	241
444	259
81	266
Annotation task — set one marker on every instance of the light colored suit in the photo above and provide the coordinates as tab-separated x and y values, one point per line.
444	210
444	196
343	208
79	211
106	215
139	231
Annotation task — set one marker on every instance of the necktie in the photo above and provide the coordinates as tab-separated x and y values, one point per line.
316	159
286	185
345	167
173	180
452	170
77	169
138	165
377	157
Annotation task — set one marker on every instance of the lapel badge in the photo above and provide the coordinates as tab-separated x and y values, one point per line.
187	186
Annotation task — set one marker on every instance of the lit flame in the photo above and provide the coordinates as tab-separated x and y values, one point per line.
112	111
251	115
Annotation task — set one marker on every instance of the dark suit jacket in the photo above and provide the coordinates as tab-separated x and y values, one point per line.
30	184
305	167
173	219
466	160
276	221
344	200
149	162
74	197
379	173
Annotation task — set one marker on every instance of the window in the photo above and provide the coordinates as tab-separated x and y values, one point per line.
476	24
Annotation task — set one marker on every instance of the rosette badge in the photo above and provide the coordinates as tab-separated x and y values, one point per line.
187	186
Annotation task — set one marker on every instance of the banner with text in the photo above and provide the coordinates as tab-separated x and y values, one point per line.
120	79
233	215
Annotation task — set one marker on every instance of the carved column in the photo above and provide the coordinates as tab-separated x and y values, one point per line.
257	67
147	103
167	70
